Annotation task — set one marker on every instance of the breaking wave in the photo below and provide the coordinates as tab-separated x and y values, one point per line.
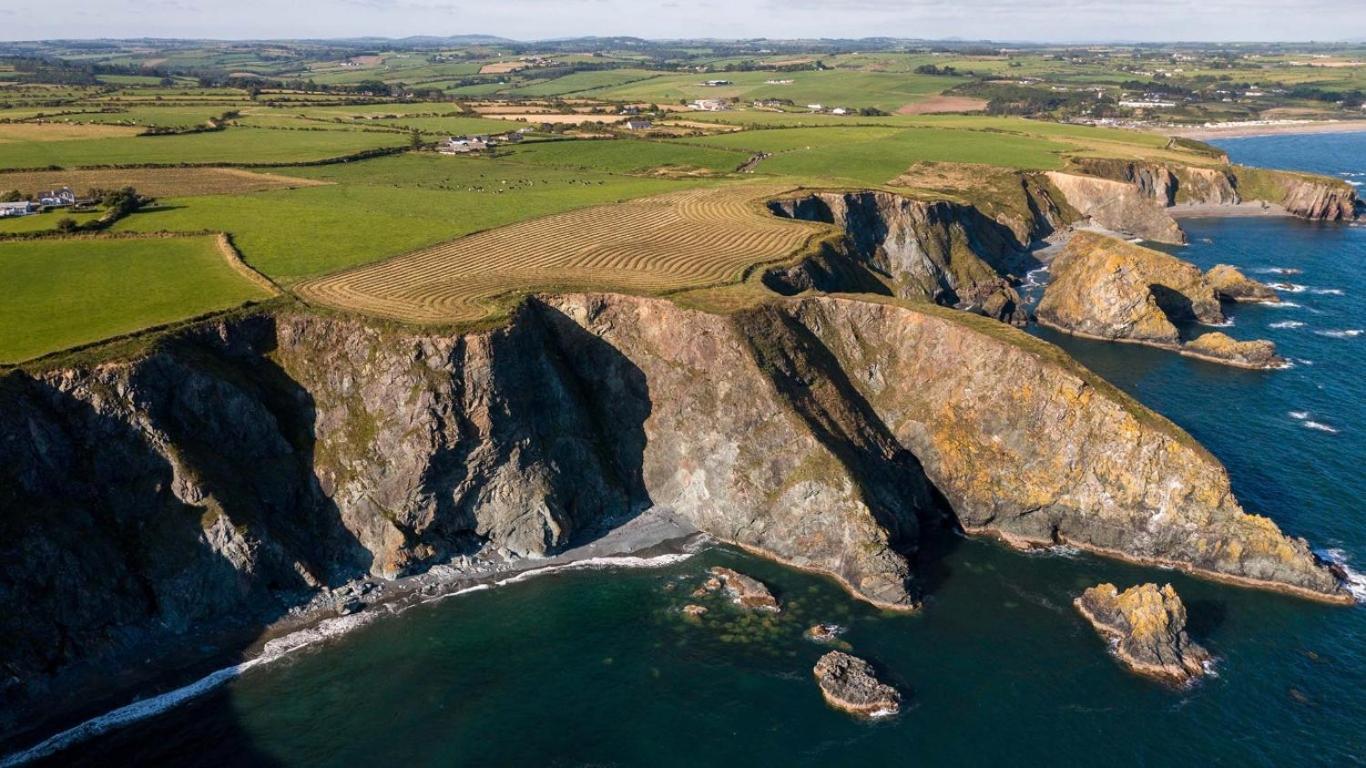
280	647
1349	333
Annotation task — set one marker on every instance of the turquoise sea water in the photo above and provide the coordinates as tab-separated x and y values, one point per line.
600	668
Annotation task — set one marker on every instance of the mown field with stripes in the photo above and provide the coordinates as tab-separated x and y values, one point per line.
656	245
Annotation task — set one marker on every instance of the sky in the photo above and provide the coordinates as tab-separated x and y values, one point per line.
1007	20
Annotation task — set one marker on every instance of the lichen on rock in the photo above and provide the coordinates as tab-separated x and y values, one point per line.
1148	628
1232	285
1219	347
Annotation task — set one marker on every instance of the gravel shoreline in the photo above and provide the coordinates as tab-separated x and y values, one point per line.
654	538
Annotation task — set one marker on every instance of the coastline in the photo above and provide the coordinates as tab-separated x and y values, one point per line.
1268	128
653	539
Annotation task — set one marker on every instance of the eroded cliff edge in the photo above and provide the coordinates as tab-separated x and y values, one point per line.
225	476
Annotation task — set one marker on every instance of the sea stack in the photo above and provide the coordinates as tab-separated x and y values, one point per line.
1148	626
848	683
1232	285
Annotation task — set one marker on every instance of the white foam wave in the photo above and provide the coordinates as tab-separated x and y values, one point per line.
1320	426
1302	361
1327	291
1355	582
1348	333
1280	304
1289	287
1278	271
1287	324
1299	415
1354	183
281	646
141	710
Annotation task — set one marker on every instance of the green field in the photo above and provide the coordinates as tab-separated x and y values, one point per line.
64	293
234	145
387	206
41	222
627	155
886	91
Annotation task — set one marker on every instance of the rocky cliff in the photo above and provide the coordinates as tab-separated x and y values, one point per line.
1119	206
205	487
1318	198
947	252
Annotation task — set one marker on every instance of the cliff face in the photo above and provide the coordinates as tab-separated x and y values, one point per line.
1119	206
223	478
1307	196
945	252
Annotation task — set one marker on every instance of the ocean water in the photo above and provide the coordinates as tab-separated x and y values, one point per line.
601	668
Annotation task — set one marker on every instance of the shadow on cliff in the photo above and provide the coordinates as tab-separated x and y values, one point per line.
891	480
612	397
111	569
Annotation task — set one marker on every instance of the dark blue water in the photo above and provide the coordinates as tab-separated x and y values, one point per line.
600	668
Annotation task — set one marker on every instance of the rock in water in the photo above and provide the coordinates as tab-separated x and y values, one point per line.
848	683
824	633
1149	628
745	591
1221	348
1233	285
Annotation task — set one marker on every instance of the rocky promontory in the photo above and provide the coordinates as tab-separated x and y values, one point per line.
849	683
1232	285
1106	288
1109	289
1148	628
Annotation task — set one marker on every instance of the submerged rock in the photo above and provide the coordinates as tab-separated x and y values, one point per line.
1221	348
1231	284
693	609
824	633
849	683
1148	626
745	591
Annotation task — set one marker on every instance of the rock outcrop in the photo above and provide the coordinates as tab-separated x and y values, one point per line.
745	591
1148	628
849	683
1221	348
1108	289
198	492
1232	285
945	252
1099	283
1118	206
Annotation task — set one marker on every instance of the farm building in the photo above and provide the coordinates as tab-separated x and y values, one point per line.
460	145
21	208
56	198
708	105
639	125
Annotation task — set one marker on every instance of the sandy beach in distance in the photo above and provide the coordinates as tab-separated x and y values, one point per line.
1268	128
